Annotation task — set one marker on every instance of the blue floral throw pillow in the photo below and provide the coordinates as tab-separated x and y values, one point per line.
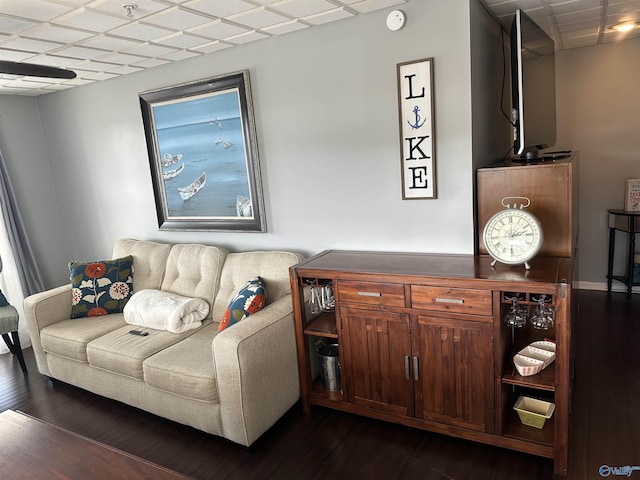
250	299
100	288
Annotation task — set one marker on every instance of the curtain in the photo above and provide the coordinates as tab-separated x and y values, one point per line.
20	276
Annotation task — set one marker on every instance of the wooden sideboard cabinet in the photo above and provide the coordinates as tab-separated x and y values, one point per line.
422	342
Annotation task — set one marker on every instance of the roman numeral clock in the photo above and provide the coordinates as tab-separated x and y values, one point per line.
513	236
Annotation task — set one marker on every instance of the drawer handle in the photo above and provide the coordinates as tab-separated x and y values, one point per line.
369	294
449	300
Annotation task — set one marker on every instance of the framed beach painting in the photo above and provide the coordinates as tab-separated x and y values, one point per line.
203	155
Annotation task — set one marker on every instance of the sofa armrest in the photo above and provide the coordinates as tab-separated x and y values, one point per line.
257	371
44	309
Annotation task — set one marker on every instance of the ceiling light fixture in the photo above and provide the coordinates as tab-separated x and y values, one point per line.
130	7
625	26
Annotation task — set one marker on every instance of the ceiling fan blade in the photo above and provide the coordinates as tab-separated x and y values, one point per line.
33	70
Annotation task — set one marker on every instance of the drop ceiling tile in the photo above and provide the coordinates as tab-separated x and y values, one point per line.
92	66
80	52
138	31
14	55
77	3
106	42
180	55
54	61
150	50
246	38
29	45
143	7
582	41
302	8
34	9
57	34
125	69
181	40
218	30
219	9
624	12
286	27
151	62
578	16
101	76
558	8
258	18
90	20
176	19
78	81
265	2
9	25
212	47
328	16
592	23
371	5
121	58
615	36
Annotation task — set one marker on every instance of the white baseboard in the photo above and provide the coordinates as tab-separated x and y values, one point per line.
602	286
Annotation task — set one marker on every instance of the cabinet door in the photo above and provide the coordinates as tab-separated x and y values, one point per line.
377	350
455	383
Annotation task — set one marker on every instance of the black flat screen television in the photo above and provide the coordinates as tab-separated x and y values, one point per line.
533	87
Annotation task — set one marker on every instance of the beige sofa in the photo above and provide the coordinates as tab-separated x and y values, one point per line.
235	384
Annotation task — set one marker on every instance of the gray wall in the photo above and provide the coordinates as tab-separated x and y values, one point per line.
326	113
598	107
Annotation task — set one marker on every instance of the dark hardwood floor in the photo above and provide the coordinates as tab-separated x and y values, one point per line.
605	423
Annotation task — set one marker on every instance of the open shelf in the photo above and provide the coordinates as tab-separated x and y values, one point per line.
324	325
545	380
515	429
318	392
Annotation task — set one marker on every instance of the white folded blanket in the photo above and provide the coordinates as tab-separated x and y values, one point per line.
165	311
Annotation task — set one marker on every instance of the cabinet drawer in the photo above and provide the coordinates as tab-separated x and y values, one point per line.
460	300
368	293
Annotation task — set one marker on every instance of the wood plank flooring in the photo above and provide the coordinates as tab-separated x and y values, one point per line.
605	423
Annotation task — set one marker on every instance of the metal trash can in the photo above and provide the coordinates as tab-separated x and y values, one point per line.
330	365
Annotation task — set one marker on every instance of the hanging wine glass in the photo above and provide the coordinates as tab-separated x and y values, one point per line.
316	300
544	315
328	300
517	315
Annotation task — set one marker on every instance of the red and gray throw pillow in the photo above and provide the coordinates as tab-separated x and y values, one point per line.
249	300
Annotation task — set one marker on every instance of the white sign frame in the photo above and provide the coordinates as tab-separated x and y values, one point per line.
417	119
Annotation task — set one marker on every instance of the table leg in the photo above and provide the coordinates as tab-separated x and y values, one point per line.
612	241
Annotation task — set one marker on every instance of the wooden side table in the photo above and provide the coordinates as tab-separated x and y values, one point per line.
628	222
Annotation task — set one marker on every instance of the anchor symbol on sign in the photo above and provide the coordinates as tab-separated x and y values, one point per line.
417	124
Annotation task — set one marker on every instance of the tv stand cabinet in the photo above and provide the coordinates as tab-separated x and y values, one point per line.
422	343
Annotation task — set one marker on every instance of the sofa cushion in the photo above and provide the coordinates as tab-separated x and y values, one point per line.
69	338
250	299
194	271
123	353
186	368
149	260
100	287
272	267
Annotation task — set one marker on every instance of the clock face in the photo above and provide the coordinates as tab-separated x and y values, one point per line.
513	236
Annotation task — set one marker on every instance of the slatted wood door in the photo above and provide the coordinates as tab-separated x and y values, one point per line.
377	348
454	383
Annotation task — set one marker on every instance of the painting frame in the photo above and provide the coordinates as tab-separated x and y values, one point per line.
206	125
416	112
